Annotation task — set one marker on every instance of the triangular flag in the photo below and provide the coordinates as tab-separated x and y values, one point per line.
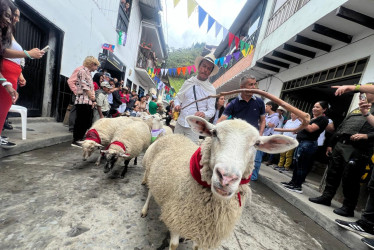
166	71
210	22
231	37
179	70
149	71
120	38
202	15
194	68
243	52
162	72
153	75
189	69
152	70
236	55
225	31
184	70
246	45
191	5
236	42
174	71
241	45
221	60
216	61
218	28
176	2
250	51
228	59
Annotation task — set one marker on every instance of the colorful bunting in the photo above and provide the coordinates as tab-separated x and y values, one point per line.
184	70
194	68
176	2
218	28
236	42
228	59
202	15
109	47
179	70
236	55
210	22
225	32
189	69
191	5
221	60
231	37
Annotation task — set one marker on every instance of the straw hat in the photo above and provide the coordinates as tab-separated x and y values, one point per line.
281	108
210	58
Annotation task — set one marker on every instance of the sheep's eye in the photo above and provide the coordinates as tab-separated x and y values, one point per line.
214	134
257	143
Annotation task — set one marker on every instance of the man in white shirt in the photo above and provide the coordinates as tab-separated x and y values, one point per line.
195	88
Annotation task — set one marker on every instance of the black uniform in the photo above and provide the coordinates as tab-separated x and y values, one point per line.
349	158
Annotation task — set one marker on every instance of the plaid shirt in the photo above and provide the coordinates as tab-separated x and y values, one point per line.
79	81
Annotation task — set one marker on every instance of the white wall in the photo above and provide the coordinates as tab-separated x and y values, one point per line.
88	24
306	16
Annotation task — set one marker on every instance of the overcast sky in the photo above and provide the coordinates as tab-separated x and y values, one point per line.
182	32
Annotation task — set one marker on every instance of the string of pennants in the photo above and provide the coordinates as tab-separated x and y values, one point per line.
161	85
202	15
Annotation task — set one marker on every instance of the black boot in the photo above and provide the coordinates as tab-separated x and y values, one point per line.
323	200
344	211
7	125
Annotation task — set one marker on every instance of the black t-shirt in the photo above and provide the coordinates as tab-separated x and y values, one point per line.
321	121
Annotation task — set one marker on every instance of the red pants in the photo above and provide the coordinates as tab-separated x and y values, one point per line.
11	72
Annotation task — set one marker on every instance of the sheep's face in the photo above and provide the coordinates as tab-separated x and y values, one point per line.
231	150
88	147
111	157
156	123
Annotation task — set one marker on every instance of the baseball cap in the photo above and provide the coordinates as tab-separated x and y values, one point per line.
106	84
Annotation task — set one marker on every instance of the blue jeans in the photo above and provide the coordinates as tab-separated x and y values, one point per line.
258	161
303	161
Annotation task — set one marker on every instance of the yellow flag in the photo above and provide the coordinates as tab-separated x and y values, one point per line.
191	5
243	52
176	3
153	75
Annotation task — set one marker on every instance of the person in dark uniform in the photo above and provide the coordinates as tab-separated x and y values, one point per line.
354	141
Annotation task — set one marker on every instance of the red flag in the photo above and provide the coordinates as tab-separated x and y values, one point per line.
231	37
236	42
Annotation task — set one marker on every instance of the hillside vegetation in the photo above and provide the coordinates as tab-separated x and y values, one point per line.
180	58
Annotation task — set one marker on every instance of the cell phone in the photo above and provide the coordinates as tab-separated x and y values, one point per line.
46	48
363	97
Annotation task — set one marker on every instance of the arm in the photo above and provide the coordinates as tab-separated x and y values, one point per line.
262	124
349	88
100	112
211	110
365	110
22	80
34	53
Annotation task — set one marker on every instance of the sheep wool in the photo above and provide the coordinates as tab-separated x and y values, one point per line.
188	209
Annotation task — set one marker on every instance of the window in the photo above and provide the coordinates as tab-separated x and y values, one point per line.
141	92
124	15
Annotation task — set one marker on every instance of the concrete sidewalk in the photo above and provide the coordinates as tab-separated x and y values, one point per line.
322	215
44	132
41	132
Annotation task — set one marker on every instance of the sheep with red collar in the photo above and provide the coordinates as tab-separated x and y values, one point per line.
200	191
128	142
100	135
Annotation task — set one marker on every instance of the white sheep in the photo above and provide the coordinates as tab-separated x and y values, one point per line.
127	142
205	206
100	135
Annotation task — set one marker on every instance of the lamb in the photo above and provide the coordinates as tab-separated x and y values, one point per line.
100	135
127	142
199	189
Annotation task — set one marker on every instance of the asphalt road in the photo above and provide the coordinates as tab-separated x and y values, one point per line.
50	199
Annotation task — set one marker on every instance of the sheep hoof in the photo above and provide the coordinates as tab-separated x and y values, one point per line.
143	215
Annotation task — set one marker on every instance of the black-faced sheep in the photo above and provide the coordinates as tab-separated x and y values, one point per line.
202	200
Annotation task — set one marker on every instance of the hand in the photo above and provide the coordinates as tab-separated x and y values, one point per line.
177	108
22	81
200	114
36	53
343	89
357	137
93	104
364	107
12	92
328	151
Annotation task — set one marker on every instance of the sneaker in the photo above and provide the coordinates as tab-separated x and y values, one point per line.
7	144
293	188
281	169
5	138
355	227
76	144
276	167
368	242
344	211
285	183
323	200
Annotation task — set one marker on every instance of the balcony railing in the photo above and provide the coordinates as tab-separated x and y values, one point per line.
146	58
283	13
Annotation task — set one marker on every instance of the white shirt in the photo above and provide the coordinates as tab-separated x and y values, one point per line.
206	106
290	125
322	137
280	125
110	98
274	119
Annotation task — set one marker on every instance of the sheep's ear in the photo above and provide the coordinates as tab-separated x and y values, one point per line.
99	146
124	155
275	144
104	151
200	126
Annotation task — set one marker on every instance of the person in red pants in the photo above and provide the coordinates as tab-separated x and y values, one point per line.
10	69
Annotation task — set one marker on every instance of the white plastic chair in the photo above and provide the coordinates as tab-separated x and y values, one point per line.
23	112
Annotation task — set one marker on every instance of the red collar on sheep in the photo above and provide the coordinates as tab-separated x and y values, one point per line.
92	135
195	172
120	144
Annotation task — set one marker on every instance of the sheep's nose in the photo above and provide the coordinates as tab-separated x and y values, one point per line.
224	178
